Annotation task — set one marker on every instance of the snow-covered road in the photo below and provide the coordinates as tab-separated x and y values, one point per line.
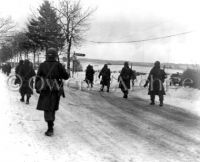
97	127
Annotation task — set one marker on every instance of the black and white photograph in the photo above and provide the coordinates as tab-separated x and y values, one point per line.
99	81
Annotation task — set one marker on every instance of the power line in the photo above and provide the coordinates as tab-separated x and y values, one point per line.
142	40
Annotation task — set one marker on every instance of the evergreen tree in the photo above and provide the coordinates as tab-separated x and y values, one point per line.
49	32
34	37
34	33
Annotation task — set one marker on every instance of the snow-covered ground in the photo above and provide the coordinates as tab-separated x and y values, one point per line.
183	97
92	126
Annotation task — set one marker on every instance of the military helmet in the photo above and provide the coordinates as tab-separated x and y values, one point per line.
52	52
157	63
126	63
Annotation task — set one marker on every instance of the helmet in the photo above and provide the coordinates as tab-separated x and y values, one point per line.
21	61
126	63
52	52
157	64
105	65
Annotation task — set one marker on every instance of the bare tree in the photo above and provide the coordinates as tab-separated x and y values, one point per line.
74	22
6	24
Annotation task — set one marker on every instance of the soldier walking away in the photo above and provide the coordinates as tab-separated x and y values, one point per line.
8	69
124	79
4	68
51	72
105	80
155	80
89	75
26	72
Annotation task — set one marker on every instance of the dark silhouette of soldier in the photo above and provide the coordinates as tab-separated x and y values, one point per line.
49	85
105	80
26	72
124	79
4	68
89	75
8	69
155	80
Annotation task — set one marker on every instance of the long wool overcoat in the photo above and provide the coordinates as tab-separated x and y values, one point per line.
49	98
156	79
26	73
89	75
125	78
105	73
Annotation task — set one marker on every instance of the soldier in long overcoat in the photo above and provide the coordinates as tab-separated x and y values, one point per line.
49	85
26	72
89	75
155	80
124	79
105	80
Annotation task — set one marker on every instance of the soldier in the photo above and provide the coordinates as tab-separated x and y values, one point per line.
51	72
124	79
4	68
155	80
26	72
89	75
105	80
8	69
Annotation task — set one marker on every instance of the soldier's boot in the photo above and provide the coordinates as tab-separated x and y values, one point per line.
152	103
152	100
108	89
22	98
102	88
125	94
27	100
161	100
161	103
49	131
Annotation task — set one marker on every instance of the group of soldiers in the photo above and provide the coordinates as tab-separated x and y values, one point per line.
155	80
105	74
49	85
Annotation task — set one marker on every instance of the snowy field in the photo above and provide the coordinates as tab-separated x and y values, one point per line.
92	126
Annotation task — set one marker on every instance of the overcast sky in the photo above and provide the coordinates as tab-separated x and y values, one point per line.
129	20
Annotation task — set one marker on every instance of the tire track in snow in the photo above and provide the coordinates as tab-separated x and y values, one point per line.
165	133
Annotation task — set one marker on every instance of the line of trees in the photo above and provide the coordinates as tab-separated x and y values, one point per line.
62	27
